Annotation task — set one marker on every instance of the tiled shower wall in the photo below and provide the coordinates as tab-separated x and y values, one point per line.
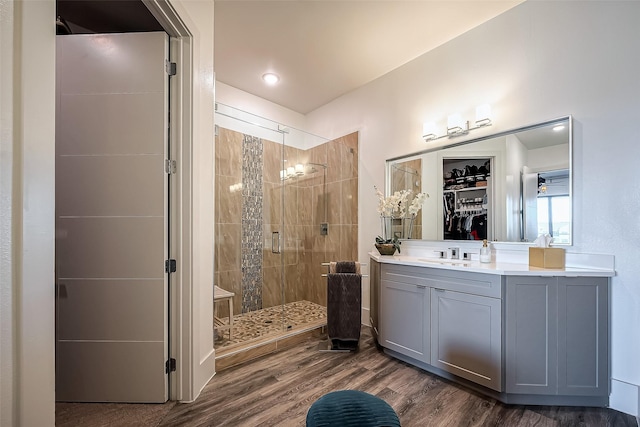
410	181
304	200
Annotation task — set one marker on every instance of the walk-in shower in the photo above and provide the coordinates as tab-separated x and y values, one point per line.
285	202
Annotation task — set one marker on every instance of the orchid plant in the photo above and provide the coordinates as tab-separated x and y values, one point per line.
397	205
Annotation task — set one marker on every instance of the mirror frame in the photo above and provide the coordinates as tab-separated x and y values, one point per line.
416	154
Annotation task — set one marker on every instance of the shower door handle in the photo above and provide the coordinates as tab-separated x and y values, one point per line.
275	242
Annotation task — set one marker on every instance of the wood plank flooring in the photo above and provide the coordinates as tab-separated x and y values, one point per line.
277	390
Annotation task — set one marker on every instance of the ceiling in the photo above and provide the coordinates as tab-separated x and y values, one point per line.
321	49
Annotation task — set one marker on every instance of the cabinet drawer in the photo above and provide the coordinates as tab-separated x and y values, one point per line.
489	285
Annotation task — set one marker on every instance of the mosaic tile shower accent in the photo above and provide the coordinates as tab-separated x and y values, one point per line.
251	250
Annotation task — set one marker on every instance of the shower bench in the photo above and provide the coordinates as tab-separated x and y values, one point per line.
220	295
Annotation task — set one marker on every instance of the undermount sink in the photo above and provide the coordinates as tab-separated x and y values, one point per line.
456	262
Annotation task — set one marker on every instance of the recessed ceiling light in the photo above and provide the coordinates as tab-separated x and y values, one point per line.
558	128
270	78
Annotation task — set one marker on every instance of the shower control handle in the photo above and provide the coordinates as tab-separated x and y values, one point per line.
275	242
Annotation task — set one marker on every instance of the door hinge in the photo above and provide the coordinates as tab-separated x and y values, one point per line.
170	365
170	266
171	68
170	166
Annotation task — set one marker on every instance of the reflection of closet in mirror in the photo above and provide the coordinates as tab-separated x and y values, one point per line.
466	192
407	176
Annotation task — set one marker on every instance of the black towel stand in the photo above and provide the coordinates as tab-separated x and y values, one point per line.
327	346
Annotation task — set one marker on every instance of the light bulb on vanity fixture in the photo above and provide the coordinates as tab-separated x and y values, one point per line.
457	126
483	115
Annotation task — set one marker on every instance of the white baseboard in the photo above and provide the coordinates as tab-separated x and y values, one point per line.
624	397
365	316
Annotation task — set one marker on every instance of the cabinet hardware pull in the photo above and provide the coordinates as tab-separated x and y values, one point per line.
421	286
439	290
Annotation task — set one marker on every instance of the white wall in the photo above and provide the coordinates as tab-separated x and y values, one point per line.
537	61
27	111
7	360
245	101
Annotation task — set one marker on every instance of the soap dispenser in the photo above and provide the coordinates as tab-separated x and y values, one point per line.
485	252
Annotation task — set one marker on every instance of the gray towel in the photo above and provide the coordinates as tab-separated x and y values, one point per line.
344	300
344	267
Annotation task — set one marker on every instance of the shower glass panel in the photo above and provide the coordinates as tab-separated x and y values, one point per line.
285	202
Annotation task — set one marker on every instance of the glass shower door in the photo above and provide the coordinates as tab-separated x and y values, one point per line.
248	228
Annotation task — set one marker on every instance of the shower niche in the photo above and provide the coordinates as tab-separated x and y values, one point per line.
276	189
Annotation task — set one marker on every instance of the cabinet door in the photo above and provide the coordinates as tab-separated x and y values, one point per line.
583	336
531	335
466	336
404	319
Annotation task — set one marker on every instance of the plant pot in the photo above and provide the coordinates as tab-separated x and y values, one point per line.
386	248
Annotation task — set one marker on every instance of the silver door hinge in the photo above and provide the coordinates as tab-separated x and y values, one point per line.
170	166
170	266
216	130
171	68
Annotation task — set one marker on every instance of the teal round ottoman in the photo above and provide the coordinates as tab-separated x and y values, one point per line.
351	408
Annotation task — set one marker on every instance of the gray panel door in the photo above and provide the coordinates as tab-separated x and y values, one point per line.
531	335
404	319
583	336
111	218
466	337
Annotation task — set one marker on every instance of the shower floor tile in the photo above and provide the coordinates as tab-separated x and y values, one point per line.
269	322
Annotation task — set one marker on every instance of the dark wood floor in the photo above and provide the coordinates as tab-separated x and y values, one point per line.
278	389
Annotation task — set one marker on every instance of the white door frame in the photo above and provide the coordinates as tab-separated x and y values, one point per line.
191	287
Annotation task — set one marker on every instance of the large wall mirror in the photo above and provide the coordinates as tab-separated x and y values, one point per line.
509	187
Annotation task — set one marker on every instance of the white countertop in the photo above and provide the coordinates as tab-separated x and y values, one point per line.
500	268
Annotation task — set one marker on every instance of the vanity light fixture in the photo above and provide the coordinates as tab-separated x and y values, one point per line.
299	168
270	78
457	126
429	131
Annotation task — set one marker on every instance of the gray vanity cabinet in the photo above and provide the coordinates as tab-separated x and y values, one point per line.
557	336
466	337
541	340
404	313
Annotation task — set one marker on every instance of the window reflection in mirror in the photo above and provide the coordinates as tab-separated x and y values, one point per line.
529	188
554	206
